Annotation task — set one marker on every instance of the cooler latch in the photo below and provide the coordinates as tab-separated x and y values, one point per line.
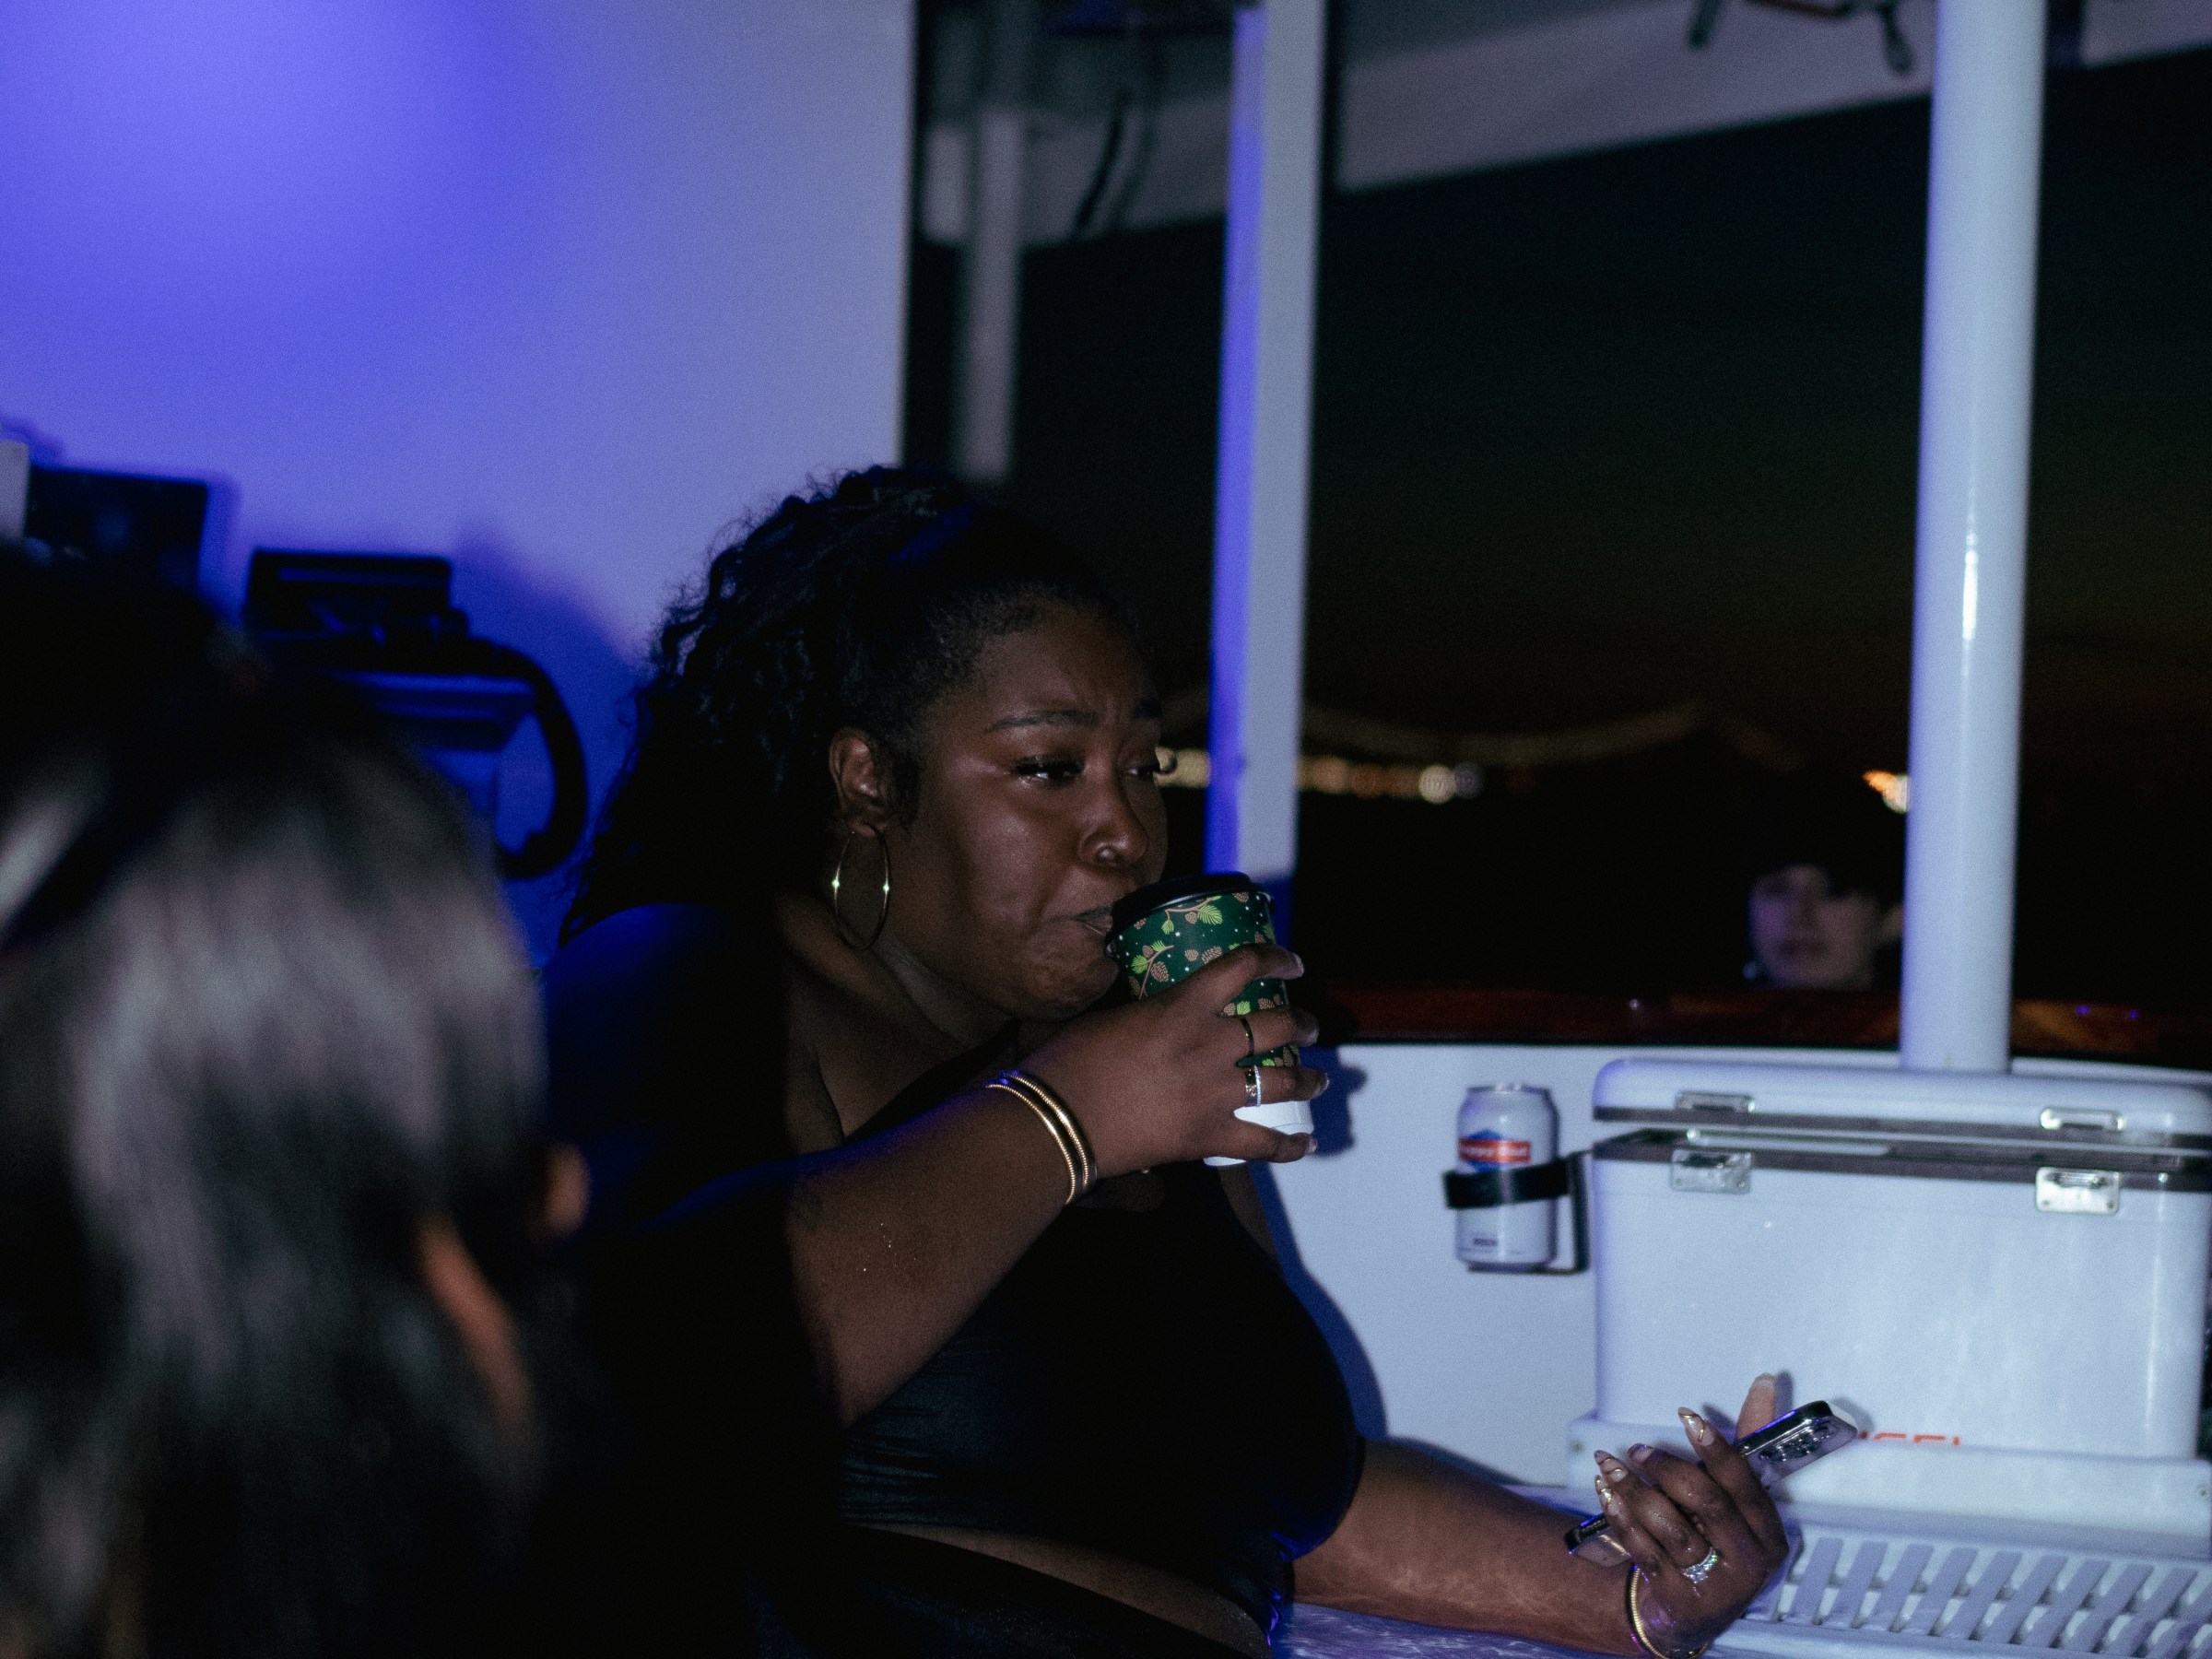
2078	1192
1697	1170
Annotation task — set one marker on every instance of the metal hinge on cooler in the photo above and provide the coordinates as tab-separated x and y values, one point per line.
2058	1192
1721	1161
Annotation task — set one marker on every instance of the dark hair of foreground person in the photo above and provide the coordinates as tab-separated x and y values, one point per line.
273	1374
936	1334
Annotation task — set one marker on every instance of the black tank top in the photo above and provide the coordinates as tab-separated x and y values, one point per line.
1142	1382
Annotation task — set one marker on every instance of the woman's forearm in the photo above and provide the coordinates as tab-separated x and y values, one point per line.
894	1242
1426	1542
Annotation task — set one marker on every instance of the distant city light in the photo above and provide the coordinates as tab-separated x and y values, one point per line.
1895	788
1329	774
1439	784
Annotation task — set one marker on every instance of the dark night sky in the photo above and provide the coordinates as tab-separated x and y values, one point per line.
1597	434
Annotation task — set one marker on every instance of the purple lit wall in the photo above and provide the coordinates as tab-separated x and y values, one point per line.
555	286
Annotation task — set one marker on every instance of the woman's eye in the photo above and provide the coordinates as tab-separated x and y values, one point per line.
1053	772
1162	765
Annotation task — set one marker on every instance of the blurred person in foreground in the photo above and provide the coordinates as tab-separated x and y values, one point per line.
1827	868
273	1336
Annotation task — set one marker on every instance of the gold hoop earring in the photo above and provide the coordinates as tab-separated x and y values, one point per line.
837	890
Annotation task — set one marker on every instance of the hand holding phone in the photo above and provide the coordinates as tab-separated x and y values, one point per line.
1700	1532
1777	1450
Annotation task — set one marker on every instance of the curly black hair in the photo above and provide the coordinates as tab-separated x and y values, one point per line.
857	605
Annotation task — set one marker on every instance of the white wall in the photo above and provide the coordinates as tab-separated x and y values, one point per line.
1489	1366
556	286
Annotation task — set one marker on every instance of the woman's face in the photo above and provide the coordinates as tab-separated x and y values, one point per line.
1809	937
1039	808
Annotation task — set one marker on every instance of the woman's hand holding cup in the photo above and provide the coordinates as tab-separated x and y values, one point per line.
1161	1080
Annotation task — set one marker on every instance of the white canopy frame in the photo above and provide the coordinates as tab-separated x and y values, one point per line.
1266	435
1970	559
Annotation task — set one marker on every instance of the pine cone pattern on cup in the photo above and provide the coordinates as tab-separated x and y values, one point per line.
1167	944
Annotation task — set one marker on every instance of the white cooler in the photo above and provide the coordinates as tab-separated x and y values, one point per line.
2002	1278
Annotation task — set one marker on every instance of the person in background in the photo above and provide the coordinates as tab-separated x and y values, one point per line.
1827	867
277	1361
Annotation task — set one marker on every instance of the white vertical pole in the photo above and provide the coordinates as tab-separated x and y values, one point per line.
990	273
1977	364
1266	439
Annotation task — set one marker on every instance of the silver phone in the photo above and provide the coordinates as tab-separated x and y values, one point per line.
1776	1450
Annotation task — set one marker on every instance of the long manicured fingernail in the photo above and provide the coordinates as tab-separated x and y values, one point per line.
1639	1451
1612	1467
1699	1430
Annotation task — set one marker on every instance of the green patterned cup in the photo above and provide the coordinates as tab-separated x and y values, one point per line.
1165	933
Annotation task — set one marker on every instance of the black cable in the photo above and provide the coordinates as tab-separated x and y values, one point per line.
1895	50
544	849
1092	197
1154	72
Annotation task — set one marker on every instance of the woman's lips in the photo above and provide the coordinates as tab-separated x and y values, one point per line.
1100	921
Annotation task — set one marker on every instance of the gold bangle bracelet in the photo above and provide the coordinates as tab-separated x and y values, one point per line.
1074	1144
1642	1637
1075	1187
1086	1161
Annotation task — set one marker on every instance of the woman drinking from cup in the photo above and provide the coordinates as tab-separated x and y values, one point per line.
871	1140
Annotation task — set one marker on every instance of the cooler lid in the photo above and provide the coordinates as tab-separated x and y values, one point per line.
1980	1105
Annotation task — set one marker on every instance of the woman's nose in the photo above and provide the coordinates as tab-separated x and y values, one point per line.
1118	837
